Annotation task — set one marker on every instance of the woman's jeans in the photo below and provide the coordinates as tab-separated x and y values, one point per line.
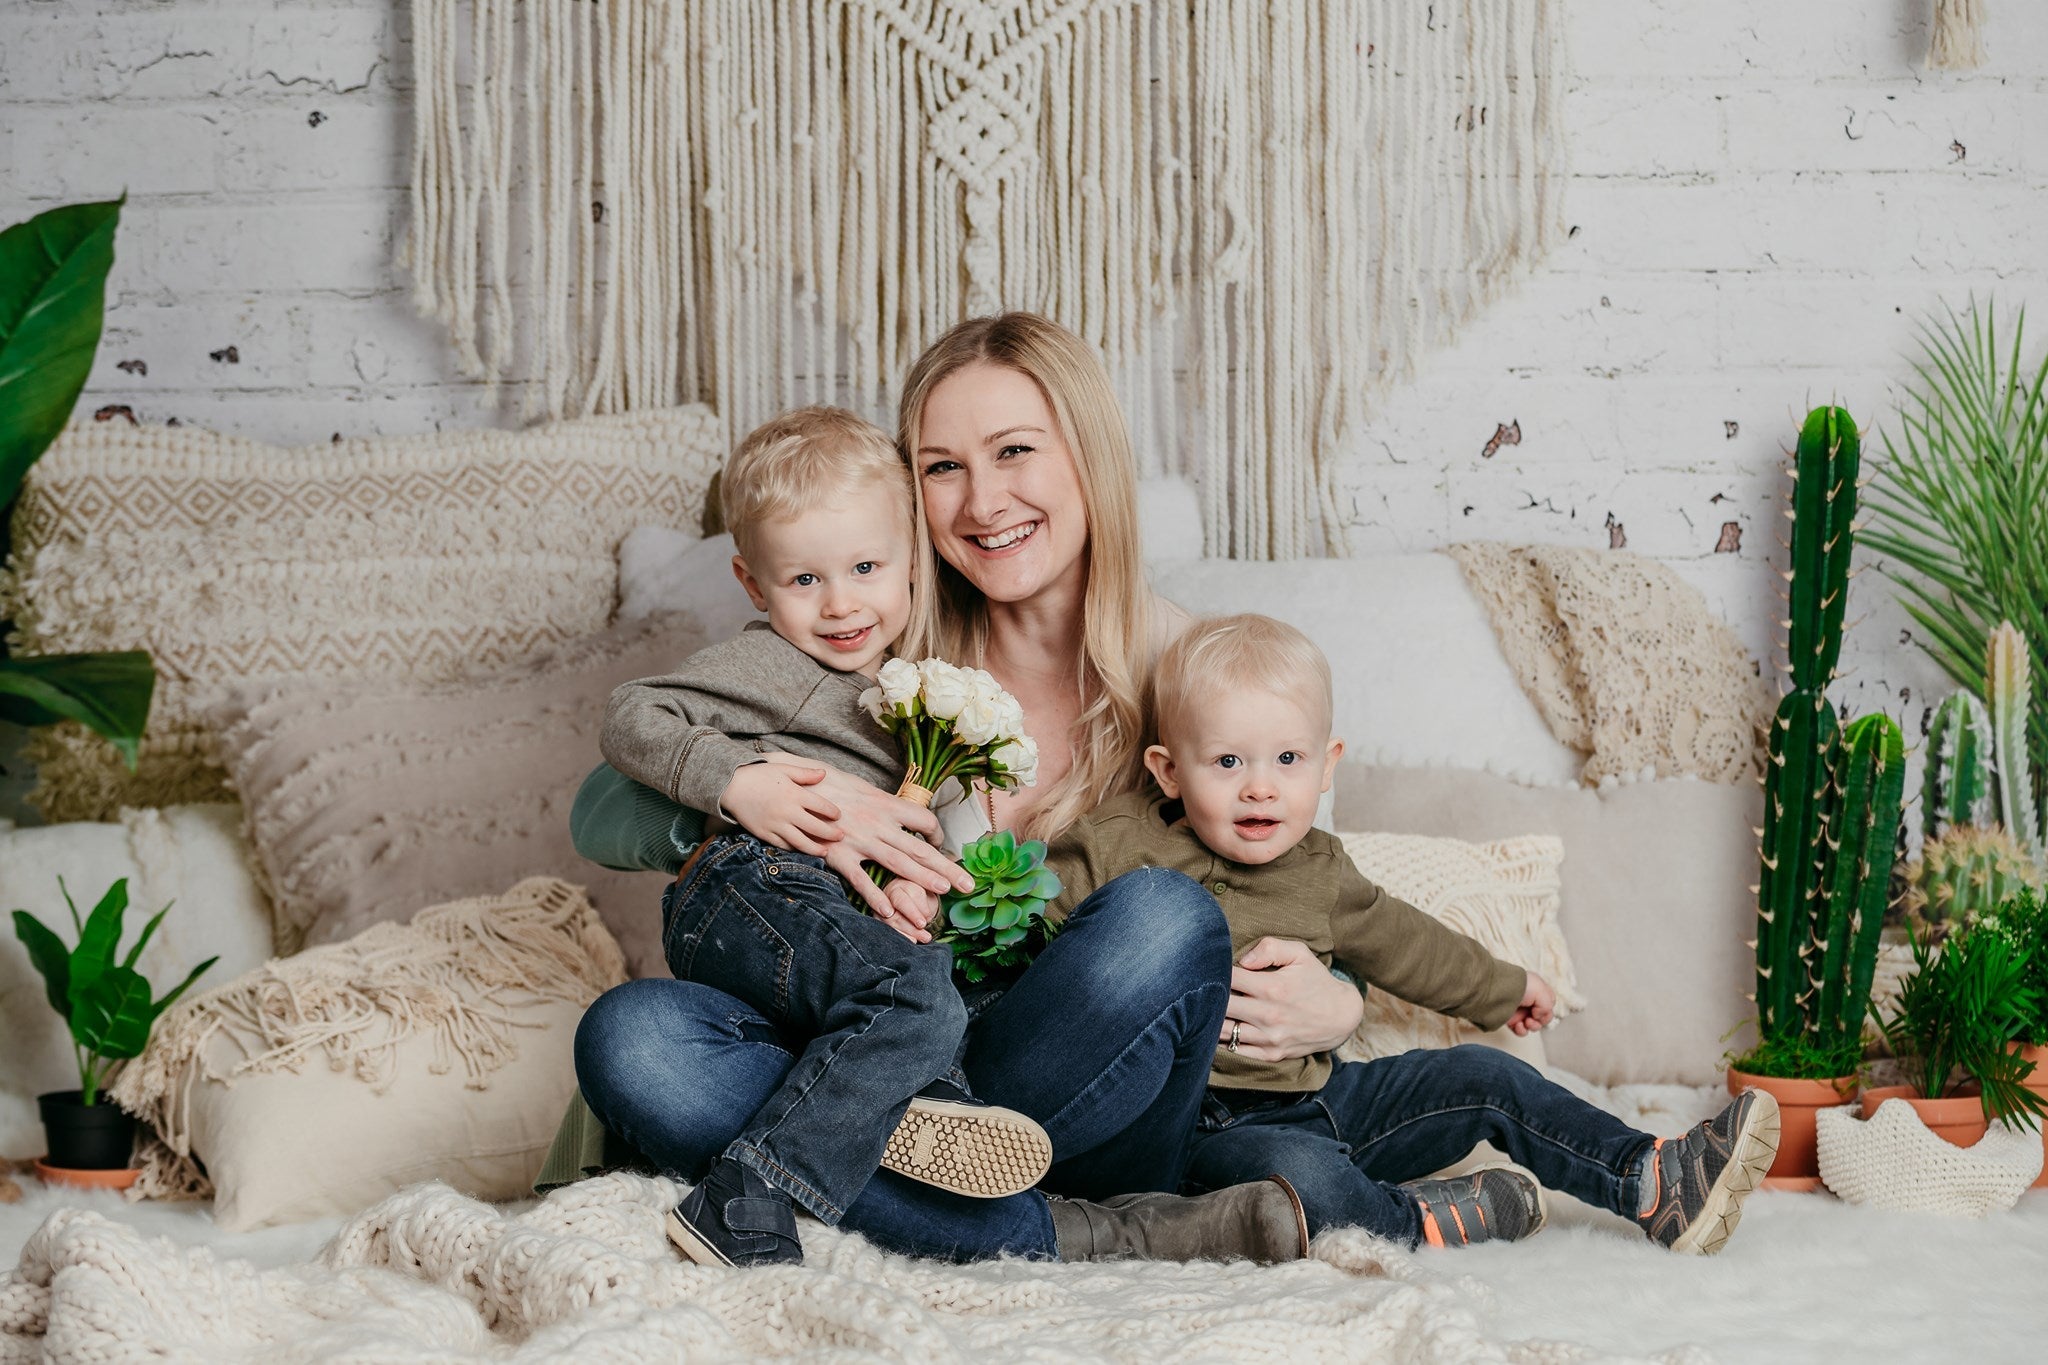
1375	1124
1106	1041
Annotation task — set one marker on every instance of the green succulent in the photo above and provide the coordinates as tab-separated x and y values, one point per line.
1001	923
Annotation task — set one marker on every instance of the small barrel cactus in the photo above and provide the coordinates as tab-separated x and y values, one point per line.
1966	870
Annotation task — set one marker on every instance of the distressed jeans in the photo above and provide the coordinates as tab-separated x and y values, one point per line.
1105	1040
1376	1124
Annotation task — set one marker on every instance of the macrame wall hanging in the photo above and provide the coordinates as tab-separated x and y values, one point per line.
1958	43
1262	214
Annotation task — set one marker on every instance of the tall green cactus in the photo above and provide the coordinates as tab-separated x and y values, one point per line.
2006	686
1956	789
1832	797
1871	790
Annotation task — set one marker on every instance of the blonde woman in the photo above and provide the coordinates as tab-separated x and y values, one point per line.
1029	567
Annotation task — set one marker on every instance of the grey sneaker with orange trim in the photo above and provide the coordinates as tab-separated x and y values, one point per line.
1703	1176
1501	1203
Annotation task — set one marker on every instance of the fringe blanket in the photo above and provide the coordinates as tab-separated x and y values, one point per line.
588	1275
1624	659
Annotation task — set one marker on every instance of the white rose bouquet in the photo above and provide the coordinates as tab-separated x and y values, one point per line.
954	724
958	724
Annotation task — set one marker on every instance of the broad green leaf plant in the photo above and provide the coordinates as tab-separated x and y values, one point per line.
1958	505
106	1003
53	286
1970	997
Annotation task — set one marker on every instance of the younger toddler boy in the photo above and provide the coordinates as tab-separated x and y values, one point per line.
1243	710
818	502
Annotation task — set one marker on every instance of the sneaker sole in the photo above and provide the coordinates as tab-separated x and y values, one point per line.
1755	1147
980	1151
692	1246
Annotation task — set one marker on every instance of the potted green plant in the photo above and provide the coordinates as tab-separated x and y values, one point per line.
1956	516
1953	1028
53	276
2023	922
1832	796
107	1005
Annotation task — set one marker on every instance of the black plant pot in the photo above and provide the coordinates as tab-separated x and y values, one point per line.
86	1137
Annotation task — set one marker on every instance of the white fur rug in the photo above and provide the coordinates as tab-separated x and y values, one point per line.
1806	1278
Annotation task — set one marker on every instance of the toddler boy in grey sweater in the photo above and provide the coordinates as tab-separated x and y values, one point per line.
819	505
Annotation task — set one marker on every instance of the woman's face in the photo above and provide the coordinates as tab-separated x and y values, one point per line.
1001	491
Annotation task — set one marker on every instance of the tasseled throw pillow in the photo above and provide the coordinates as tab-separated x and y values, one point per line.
435	1050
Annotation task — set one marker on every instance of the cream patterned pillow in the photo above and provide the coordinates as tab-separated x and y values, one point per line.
1504	894
423	557
435	1050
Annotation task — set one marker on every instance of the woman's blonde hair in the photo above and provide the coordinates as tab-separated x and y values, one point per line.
1224	655
1116	612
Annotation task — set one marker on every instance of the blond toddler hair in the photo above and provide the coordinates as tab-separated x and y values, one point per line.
799	461
1222	655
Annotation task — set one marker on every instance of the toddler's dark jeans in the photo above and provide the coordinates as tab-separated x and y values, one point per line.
874	1018
1376	1124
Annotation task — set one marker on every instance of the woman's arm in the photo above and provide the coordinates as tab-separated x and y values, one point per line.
618	823
1284	1003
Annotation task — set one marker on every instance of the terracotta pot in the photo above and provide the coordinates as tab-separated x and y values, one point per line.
86	1180
1797	1165
1958	1119
2038	1083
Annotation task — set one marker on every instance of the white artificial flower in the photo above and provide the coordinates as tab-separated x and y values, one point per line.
899	682
1009	717
871	702
1020	758
976	724
946	688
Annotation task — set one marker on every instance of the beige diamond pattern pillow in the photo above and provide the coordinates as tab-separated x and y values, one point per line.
422	557
1504	894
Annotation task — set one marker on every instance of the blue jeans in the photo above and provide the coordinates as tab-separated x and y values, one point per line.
1376	1124
876	1015
1106	1040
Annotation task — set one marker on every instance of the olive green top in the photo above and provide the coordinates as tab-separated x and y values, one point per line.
1313	893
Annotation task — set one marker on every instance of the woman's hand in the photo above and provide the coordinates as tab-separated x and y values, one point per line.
911	909
859	823
1284	1003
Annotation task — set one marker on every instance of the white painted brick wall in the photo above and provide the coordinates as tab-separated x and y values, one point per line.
1768	195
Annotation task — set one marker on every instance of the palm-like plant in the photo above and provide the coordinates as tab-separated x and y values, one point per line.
1958	506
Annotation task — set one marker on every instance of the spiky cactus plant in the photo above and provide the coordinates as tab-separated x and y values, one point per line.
1956	789
2006	688
1831	809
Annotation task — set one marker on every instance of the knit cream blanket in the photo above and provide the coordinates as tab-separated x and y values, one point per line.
1624	659
587	1275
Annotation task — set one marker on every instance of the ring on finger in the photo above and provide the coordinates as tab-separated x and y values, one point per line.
1236	1027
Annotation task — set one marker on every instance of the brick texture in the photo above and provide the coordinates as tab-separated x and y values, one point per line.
1767	198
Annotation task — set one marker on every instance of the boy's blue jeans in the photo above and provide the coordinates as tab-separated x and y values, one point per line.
1106	1040
1376	1124
874	1017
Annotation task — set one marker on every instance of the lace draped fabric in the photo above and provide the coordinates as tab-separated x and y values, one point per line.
1624	660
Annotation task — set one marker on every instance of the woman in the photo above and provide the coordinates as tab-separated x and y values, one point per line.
1030	568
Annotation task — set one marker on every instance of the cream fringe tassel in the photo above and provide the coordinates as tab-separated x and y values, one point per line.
1958	35
451	975
1261	214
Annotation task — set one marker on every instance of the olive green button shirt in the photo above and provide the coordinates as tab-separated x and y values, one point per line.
1313	893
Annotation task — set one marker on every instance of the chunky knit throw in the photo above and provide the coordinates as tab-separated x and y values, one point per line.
587	1275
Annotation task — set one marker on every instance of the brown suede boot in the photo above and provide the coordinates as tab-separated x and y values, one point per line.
1261	1221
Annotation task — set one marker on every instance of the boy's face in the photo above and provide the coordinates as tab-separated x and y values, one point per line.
1249	770
835	581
